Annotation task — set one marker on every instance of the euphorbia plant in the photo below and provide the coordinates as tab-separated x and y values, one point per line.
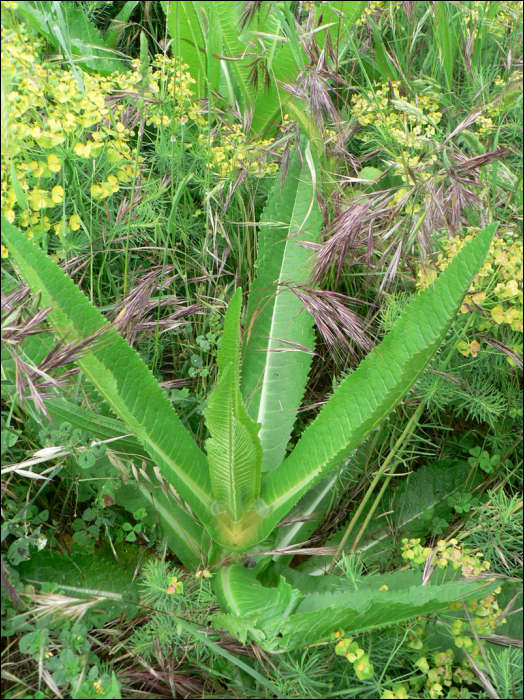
230	498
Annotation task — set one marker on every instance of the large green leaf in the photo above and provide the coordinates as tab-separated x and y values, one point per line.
320	614
88	575
197	40
367	396
186	537
227	22
233	449
118	23
118	374
68	29
251	606
286	618
209	38
310	512
279	337
337	18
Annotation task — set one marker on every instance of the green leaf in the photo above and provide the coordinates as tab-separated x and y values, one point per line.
366	397
118	374
276	365
188	24
380	54
88	575
243	628
242	595
86	459
226	21
286	59
363	610
114	689
68	29
118	24
317	502
234	450
445	33
230	347
413	508
232	658
284	618
184	535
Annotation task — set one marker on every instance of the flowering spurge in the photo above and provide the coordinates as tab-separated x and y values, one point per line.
354	654
495	294
232	499
51	121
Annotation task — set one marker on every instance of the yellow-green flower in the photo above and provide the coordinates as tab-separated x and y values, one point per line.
54	163
466	348
363	667
74	222
82	150
60	229
497	314
38	199
57	194
174	586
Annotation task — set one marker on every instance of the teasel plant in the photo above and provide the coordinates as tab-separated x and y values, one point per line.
237	499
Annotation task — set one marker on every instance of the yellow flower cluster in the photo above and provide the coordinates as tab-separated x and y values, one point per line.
504	263
457	557
446	554
414	552
441	674
410	123
409	207
174	586
497	288
496	108
414	170
507	17
345	646
398	691
49	110
99	688
55	116
234	152
170	80
373	10
484	618
484	614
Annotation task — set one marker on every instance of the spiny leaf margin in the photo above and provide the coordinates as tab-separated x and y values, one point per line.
274	370
367	396
118	373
